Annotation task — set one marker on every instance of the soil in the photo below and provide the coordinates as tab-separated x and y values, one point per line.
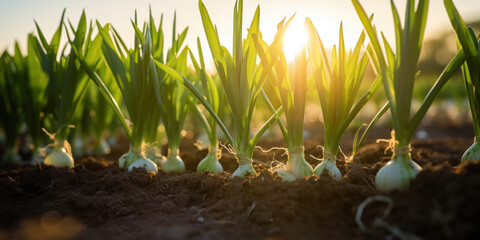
97	200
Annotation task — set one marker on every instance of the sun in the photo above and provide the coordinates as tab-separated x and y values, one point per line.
295	39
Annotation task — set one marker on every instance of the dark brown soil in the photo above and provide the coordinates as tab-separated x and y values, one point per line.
97	200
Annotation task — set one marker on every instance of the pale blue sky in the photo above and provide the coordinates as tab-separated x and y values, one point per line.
16	16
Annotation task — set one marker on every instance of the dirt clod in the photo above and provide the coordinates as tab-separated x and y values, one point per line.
97	200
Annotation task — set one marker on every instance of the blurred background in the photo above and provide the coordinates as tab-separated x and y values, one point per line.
451	107
17	19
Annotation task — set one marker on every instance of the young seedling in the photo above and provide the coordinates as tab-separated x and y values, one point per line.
67	82
97	118
471	74
338	84
133	74
213	95
141	85
174	100
10	110
242	81
290	86
31	83
398	71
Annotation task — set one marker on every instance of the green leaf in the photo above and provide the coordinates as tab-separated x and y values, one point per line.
198	94
211	33
55	42
138	34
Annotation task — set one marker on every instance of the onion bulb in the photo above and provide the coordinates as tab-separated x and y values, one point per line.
397	173
59	158
210	163
328	164
472	153
297	167
173	163
245	166
144	163
135	159
153	153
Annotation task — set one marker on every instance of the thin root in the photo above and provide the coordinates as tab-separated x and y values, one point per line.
380	221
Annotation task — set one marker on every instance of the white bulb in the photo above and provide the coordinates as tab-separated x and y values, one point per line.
472	153
397	174
59	158
210	163
144	163
330	167
173	164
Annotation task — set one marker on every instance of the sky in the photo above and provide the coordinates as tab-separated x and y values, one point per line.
17	17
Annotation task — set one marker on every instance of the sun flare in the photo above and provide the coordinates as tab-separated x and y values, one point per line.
295	39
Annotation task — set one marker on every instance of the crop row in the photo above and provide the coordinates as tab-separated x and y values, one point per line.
95	83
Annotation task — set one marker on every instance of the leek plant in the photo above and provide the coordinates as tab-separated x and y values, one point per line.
23	75
67	82
98	116
212	91
141	85
33	88
398	71
242	82
150	136
174	100
338	85
10	110
291	89
471	74
133	74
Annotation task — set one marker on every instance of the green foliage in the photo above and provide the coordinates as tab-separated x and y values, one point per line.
173	99
10	105
338	84
399	71
212	90
239	73
242	82
141	84
471	72
290	86
135	78
67	82
33	90
23	84
96	117
131	70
